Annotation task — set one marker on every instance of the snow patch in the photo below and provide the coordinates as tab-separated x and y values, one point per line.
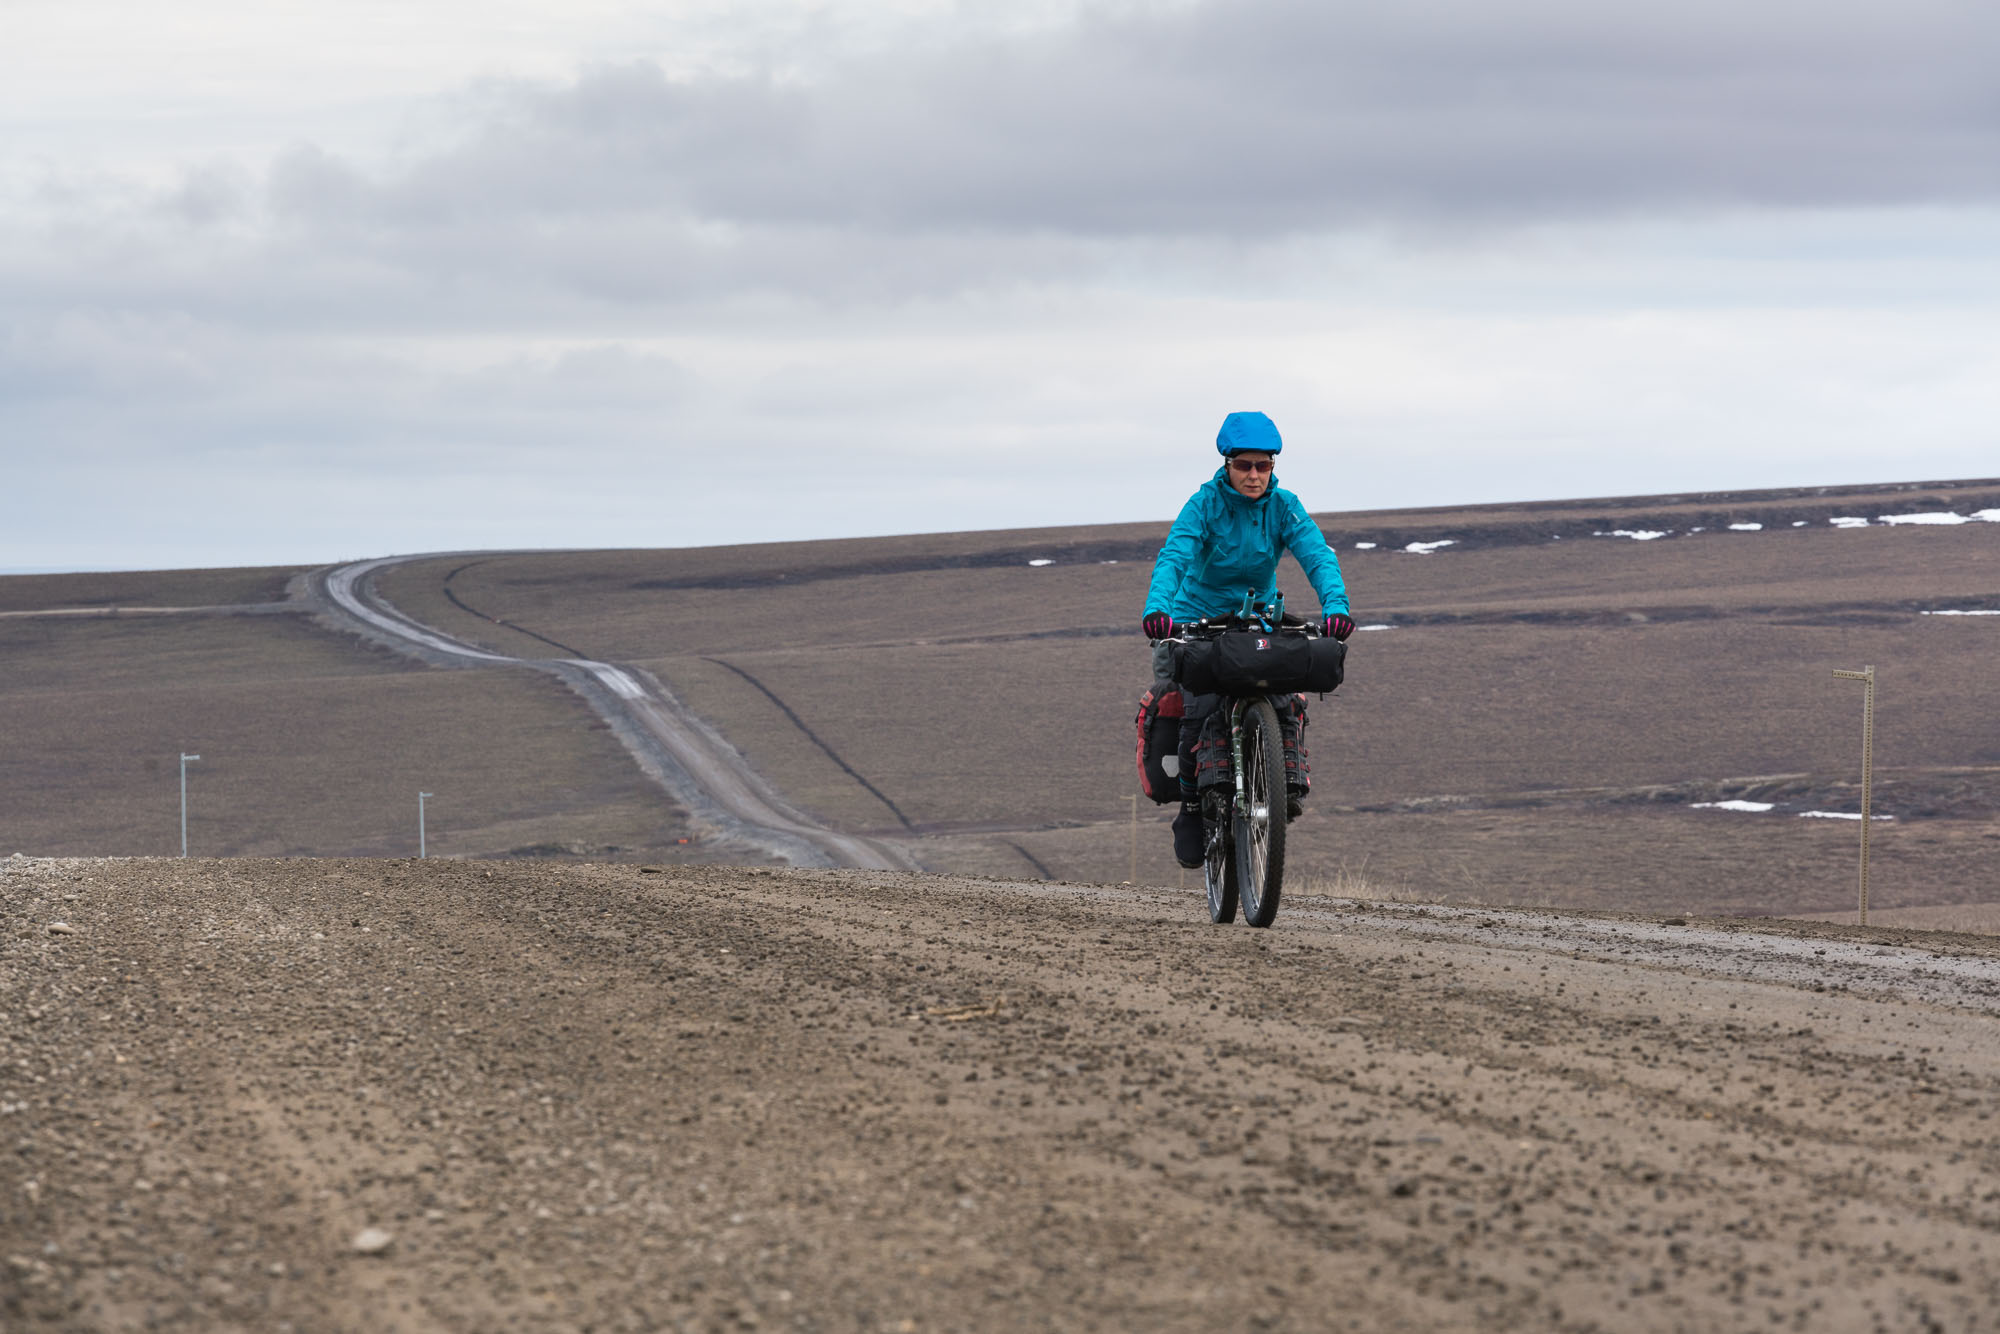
1838	815
1364	629
1364	546
1426	548
1042	561
619	683
1979	612
1798	523
1638	534
1848	521
1758	806
1987	516
1935	518
1746	527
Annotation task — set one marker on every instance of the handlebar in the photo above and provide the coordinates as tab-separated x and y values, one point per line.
1209	627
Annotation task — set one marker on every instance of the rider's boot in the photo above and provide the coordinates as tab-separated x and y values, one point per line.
1294	804
1189	844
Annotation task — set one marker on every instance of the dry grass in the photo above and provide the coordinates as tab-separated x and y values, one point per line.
1968	918
1355	884
311	744
145	588
1609	859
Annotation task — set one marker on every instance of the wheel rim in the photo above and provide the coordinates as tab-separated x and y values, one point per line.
1219	868
1215	874
1253	828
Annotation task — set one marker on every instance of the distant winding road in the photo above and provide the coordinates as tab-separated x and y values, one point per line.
677	750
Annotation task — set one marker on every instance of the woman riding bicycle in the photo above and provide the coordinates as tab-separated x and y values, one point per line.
1225	543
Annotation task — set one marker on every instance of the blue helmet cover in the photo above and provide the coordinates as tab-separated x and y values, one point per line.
1247	430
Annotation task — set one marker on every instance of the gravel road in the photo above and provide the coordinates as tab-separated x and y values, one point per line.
436	1095
674	748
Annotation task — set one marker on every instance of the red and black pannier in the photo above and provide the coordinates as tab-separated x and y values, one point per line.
1159	724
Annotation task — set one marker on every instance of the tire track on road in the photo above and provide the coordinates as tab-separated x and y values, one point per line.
468	608
817	740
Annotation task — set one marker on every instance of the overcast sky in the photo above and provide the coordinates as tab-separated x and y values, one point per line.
284	284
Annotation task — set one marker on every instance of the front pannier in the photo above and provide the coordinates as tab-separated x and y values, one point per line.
1247	662
1215	768
1292	722
1159	724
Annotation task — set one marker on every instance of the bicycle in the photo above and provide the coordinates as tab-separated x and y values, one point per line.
1245	826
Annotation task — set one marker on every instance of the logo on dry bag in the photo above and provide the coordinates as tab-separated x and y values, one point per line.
1263	644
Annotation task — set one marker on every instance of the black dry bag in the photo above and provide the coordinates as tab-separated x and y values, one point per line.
1251	662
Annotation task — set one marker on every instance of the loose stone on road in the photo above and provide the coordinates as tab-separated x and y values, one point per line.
715	1098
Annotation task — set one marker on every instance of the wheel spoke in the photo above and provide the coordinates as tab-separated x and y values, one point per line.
1219	870
1260	827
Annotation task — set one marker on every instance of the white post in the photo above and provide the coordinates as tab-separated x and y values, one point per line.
1135	840
421	850
1867	678
184	801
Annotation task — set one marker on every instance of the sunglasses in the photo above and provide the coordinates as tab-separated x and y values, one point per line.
1248	465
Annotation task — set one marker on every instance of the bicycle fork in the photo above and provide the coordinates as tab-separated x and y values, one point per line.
1236	712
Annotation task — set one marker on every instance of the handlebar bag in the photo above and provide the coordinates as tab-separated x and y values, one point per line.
1194	666
1250	662
1326	666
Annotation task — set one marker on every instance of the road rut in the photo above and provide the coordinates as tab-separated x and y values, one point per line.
718	1098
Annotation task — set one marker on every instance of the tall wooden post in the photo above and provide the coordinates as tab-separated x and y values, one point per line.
1134	880
1867	678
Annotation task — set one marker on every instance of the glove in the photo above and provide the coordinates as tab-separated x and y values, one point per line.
1337	626
1159	625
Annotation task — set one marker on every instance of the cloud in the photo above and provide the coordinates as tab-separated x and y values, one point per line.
995	276
1128	141
1247	120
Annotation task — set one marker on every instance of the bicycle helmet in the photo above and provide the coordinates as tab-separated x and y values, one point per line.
1247	430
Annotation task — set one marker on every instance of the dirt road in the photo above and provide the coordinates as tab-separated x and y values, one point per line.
600	1099
674	748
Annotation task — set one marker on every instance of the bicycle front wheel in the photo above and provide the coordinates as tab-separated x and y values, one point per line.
1219	868
1260	826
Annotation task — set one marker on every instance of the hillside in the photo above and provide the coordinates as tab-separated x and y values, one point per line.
1536	727
1554	696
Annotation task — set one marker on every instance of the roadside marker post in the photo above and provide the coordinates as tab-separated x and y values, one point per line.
422	850
184	801
1134	880
1867	678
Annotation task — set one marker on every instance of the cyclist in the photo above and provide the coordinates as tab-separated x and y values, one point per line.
1227	540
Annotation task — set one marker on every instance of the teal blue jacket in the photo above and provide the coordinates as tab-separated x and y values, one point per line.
1224	544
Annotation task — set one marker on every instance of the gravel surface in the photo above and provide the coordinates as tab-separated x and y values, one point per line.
382	1095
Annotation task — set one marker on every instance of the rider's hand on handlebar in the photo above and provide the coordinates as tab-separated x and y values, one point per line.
1337	626
1158	625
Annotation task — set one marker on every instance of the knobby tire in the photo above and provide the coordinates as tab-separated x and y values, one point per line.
1259	832
1219	868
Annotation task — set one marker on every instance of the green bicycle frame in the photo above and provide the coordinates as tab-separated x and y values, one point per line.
1239	707
1236	711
